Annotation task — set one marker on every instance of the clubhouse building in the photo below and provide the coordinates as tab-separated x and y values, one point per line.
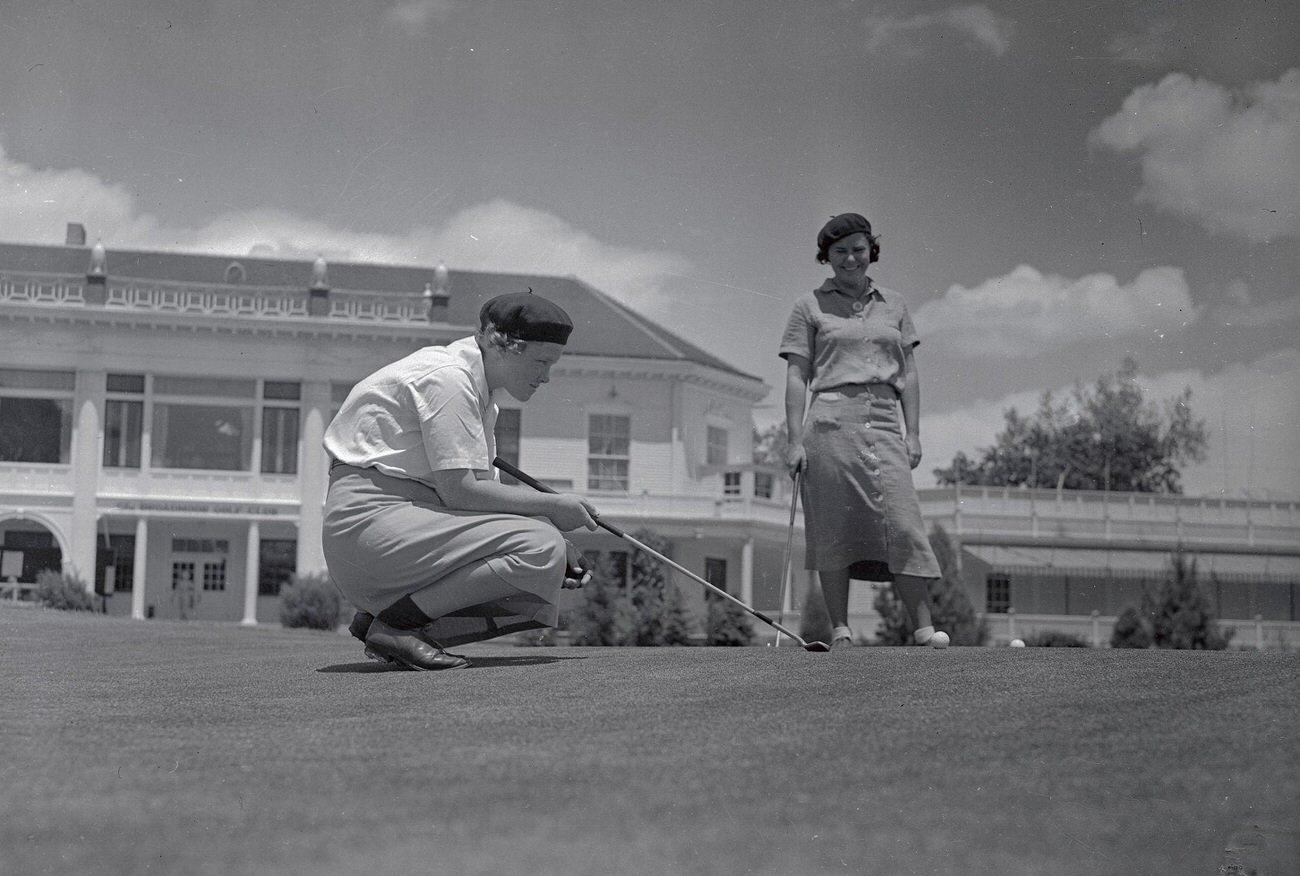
161	416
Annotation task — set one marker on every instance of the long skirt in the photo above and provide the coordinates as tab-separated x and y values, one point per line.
860	507
477	575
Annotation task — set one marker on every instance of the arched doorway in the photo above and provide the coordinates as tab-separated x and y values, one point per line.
27	548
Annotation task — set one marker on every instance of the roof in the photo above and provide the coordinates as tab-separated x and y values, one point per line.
602	326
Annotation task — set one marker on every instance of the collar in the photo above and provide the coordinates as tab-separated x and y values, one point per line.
873	291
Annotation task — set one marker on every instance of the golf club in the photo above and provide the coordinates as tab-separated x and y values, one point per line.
789	546
611	528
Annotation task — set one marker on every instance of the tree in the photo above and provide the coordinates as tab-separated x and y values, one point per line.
950	607
1173	614
660	612
1105	437
606	615
726	623
770	444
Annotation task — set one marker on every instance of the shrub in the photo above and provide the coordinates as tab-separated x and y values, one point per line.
1131	630
1173	614
310	601
606	615
64	592
661	617
727	623
1055	639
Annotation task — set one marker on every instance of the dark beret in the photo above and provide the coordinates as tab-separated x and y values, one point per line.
527	317
839	227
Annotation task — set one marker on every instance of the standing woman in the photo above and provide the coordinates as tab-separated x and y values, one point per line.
850	343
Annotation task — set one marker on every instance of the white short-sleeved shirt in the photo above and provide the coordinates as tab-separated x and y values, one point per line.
428	412
848	346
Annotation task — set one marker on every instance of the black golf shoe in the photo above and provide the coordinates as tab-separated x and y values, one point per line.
409	648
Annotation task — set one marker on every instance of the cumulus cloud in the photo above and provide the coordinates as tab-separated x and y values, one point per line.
977	24
415	16
1238	307
1225	159
494	236
1026	312
1251	413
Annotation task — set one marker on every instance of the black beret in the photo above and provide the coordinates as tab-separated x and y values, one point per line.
527	317
839	227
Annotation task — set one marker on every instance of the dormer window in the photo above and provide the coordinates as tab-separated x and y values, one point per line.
235	274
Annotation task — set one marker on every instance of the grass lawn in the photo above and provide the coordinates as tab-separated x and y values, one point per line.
139	747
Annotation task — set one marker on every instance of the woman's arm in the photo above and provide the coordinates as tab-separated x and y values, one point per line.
463	490
911	399
797	373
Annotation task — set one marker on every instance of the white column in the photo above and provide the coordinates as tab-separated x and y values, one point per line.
251	563
138	572
85	467
747	572
313	476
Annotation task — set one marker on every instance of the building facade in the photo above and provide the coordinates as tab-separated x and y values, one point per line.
161	418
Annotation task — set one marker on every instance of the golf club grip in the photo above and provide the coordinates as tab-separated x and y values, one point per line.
531	481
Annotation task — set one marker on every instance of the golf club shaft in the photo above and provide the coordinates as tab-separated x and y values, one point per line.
789	548
522	477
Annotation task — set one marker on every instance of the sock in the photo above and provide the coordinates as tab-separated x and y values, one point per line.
923	635
404	614
841	633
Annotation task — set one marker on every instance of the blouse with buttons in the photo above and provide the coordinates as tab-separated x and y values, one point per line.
850	341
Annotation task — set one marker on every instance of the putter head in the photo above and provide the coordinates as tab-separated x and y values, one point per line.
819	647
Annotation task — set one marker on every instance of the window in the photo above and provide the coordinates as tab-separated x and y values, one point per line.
715	572
997	594
277	562
123	420
203	423
36	416
608	449
509	421
280	427
764	484
731	483
715	453
120	557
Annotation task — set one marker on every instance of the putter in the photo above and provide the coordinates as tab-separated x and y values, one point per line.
789	548
611	528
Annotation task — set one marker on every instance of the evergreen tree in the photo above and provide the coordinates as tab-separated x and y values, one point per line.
660	611
727	623
1172	614
606	615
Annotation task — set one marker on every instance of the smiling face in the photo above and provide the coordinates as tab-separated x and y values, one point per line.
521	371
849	258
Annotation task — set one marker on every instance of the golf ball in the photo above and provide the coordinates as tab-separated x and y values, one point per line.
1017	643
939	640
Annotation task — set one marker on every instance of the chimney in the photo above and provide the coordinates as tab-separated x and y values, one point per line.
76	234
318	294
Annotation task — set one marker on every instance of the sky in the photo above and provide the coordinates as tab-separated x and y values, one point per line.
1057	185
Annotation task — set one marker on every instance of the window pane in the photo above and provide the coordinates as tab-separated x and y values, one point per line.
122	427
133	383
277	561
763	485
200	386
716	452
202	436
19	378
282	390
280	440
607	474
35	430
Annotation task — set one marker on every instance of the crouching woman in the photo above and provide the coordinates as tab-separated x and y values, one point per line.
418	533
